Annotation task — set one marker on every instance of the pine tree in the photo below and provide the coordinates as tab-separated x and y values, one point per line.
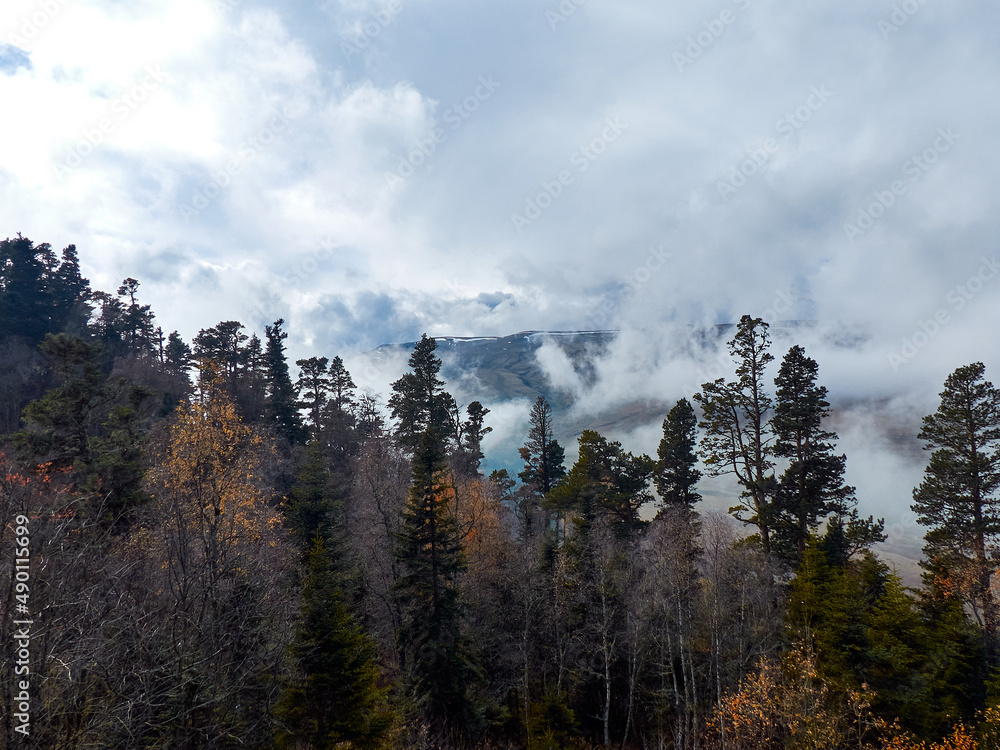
812	487
282	408
342	387
224	345
335	700
737	435
137	329
544	465
469	439
313	387
419	402
310	511
606	481
437	665
70	293
958	497
676	474
25	308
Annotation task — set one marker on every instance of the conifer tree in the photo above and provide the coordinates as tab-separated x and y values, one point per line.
606	481
342	387
281	406
469	436
334	700
676	474
419	402
542	455
735	420
177	355
958	496
544	465
437	665
812	487
310	510
313	387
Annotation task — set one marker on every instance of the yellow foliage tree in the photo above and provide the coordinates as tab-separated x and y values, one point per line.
221	551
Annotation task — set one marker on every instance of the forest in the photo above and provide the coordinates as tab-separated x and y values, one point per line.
226	549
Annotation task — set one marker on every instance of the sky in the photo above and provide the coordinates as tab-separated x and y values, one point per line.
369	171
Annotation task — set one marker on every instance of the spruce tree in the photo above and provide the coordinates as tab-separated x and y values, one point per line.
342	387
958	496
334	700
737	433
544	465
437	666
676	474
281	405
469	438
419	401
544	459
812	487
310	510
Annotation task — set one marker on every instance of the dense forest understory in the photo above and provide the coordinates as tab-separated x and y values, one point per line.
223	555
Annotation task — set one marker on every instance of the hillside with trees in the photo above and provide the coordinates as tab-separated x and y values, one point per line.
232	550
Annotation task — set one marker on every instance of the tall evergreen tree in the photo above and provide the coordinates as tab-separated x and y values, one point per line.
419	402
89	425
544	459
342	387
812	487
310	511
544	465
224	344
676	474
606	481
177	356
468	437
958	496
437	665
737	434
282	408
334	700
313	387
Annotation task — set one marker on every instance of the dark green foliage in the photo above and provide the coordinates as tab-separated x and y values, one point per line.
40	294
471	434
335	696
282	409
958	496
676	474
313	386
737	433
605	481
239	359
57	426
177	355
419	403
543	457
437	664
310	510
544	468
91	425
224	345
920	657
552	723
812	487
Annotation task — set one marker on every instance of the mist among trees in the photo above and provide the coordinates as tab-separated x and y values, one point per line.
232	550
